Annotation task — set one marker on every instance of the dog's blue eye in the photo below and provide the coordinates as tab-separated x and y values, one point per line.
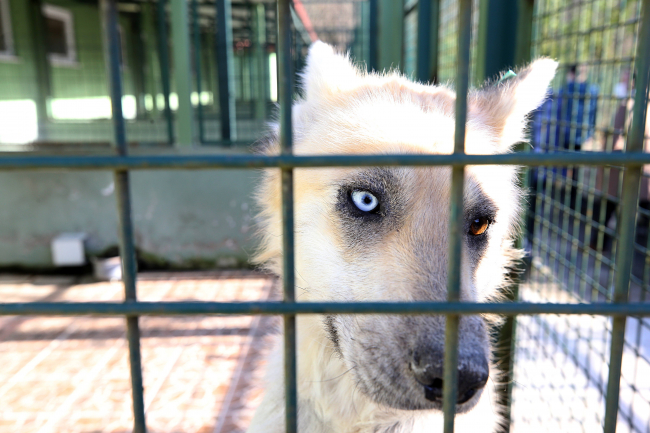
365	201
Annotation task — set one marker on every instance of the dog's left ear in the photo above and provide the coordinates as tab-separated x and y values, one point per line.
327	72
504	107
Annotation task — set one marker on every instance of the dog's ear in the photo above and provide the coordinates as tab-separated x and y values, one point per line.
504	107
327	72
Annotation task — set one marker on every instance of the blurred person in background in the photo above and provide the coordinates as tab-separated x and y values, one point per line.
564	123
609	184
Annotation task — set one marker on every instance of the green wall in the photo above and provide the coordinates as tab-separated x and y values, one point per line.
189	218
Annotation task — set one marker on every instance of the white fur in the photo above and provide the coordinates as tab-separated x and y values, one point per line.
346	111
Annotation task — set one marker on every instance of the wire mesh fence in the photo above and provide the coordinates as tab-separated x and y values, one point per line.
572	237
577	226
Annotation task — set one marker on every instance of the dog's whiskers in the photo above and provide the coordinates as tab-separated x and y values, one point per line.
334	378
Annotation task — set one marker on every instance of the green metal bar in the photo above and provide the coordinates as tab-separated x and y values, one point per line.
390	34
523	42
224	47
182	71
507	338
285	93
163	57
450	377
41	61
197	66
424	41
122	192
192	162
627	222
261	60
505	353
138	308
496	38
373	63
434	45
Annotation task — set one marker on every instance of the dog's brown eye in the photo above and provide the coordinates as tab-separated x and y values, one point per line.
479	226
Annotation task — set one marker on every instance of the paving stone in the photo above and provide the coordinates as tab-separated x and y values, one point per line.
201	374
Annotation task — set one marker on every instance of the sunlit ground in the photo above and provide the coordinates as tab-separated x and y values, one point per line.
561	371
201	374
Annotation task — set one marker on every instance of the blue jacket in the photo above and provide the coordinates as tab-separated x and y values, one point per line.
566	119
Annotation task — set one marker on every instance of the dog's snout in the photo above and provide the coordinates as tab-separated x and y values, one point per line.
473	373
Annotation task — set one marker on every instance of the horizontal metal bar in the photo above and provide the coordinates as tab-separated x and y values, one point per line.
193	162
278	308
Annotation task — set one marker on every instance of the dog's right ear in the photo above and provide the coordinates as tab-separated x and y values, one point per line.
327	72
503	107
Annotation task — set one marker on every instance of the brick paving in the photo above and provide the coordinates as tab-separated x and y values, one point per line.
201	374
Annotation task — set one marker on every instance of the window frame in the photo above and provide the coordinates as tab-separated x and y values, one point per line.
67	17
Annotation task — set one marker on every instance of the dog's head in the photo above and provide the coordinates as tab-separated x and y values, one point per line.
367	234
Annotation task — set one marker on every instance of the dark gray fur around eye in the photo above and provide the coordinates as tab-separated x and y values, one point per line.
484	208
361	228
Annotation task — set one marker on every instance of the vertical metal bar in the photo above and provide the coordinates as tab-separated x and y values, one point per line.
197	65
225	70
390	34
261	63
163	57
450	378
374	17
424	41
182	71
496	38
434	43
626	226
507	339
41	62
523	43
122	190
285	92
505	353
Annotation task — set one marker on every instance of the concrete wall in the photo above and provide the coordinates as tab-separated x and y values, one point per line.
189	218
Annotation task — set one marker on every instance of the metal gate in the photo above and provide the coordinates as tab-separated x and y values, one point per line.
551	166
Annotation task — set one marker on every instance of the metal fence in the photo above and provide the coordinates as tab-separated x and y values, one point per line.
554	216
577	230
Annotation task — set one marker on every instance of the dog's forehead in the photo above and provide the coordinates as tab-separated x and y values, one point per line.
381	123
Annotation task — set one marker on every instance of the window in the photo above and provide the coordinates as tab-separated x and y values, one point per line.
59	27
6	38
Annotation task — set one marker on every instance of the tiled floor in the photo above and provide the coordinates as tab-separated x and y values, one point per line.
201	374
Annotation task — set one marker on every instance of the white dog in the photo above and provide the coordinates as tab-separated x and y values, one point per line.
370	234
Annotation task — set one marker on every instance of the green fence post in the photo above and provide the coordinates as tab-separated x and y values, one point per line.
41	62
225	65
137	57
424	41
373	26
524	36
150	57
450	377
163	58
261	60
196	29
428	26
627	223
182	71
390	34
123	196
285	94
506	339
497	34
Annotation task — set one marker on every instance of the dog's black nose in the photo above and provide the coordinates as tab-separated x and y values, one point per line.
473	373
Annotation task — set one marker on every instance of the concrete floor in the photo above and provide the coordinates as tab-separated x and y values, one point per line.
201	374
205	374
